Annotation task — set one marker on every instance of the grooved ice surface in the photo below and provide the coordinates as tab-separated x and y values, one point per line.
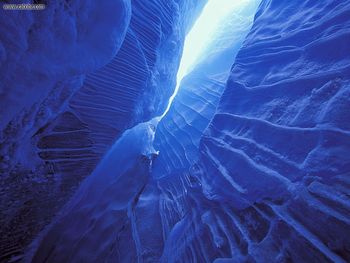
43	58
97	224
273	175
40	49
79	96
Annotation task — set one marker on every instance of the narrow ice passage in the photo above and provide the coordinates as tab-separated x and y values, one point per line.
203	33
209	50
175	131
109	195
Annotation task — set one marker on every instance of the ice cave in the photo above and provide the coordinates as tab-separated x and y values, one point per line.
175	131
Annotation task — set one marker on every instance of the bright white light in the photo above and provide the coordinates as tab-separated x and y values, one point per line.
202	34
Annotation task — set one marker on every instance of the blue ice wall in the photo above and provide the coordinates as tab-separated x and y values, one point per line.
82	75
126	91
43	58
272	181
41	49
97	225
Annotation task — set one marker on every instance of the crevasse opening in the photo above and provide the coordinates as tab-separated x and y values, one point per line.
202	34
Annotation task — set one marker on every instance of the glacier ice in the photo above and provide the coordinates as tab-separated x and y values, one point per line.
189	113
249	162
54	142
101	210
46	48
273	159
214	18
